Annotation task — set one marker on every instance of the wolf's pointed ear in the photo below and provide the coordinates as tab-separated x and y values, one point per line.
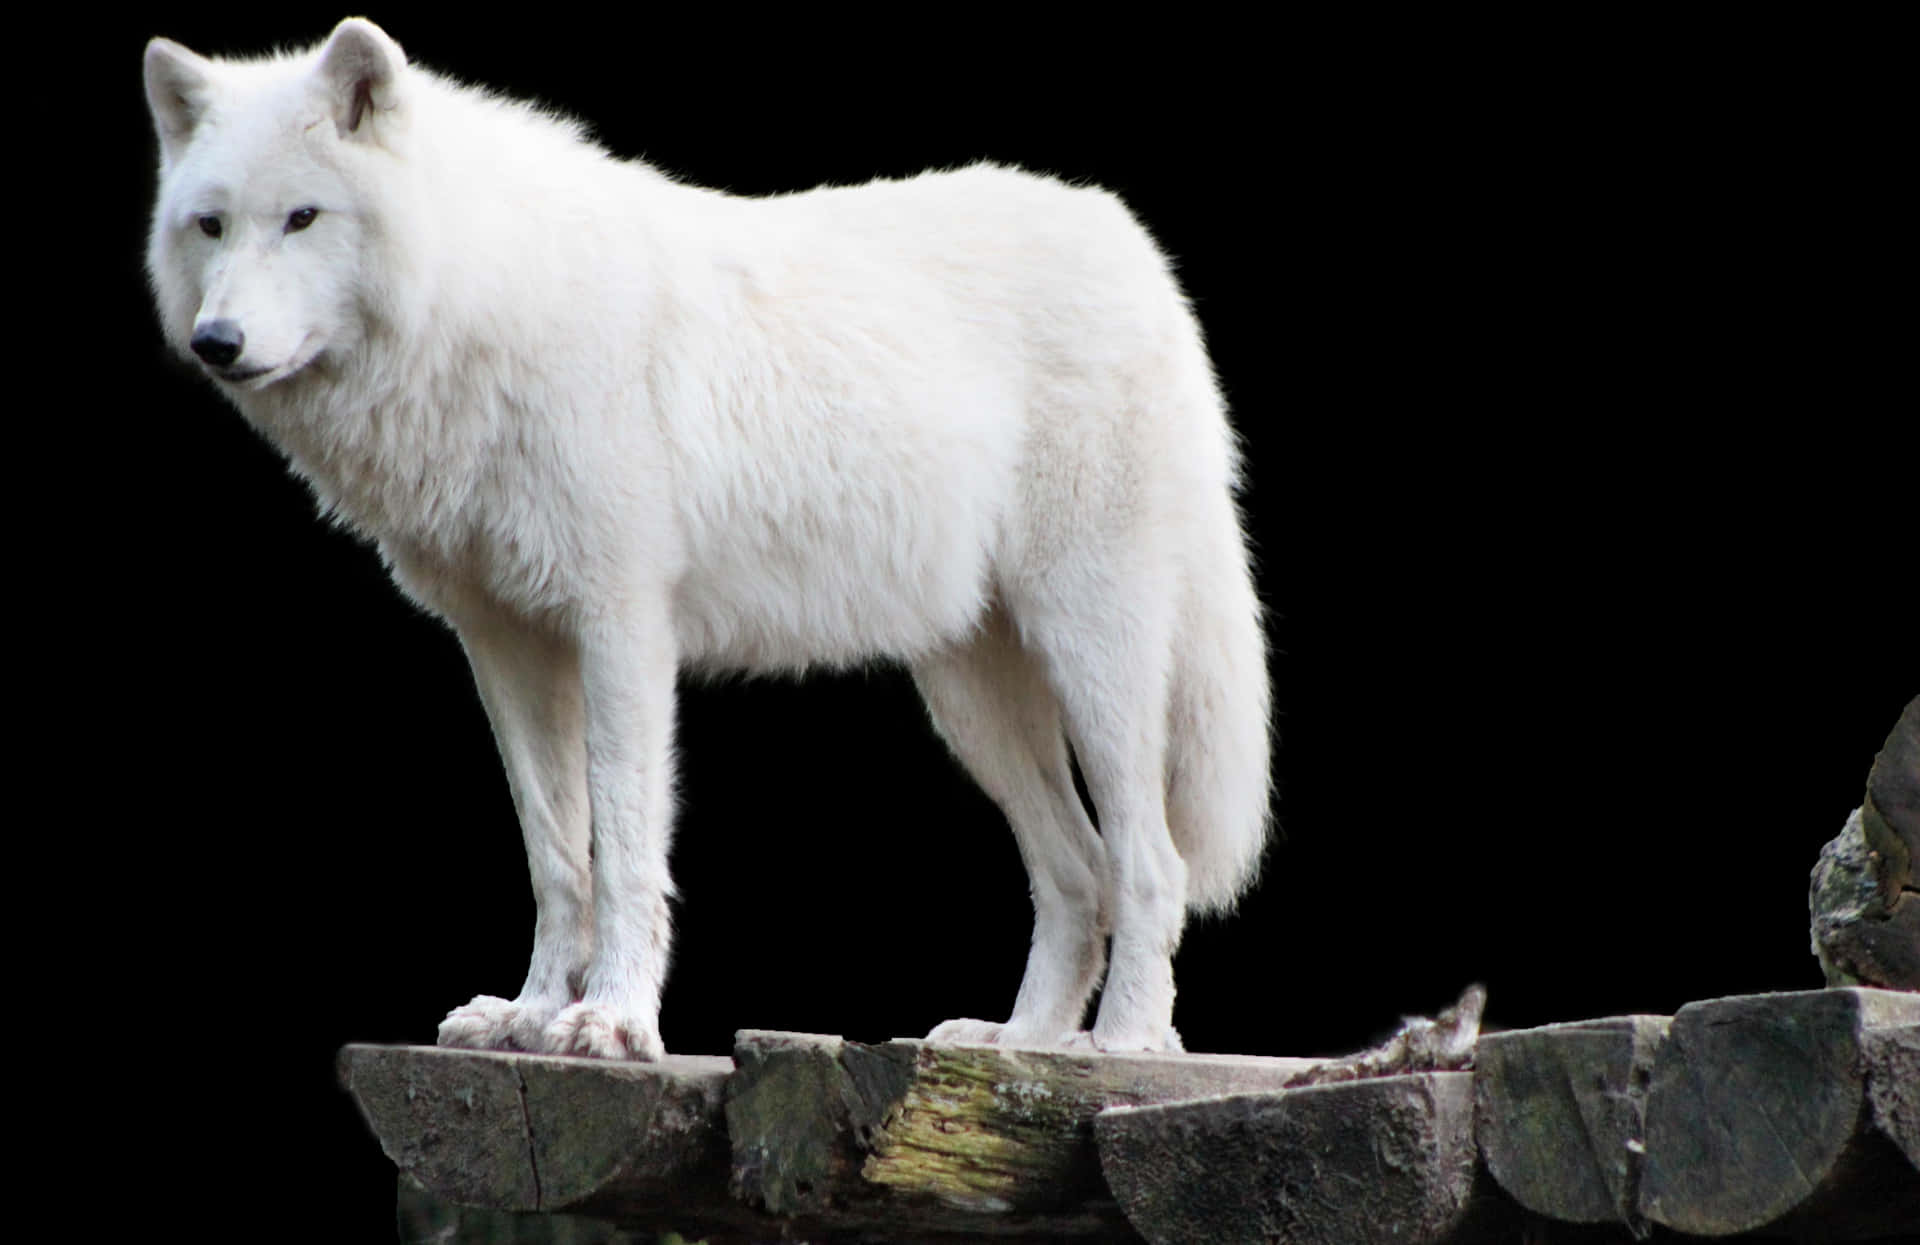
360	71
179	91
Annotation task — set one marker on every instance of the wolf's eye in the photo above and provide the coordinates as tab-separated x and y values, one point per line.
210	225
301	218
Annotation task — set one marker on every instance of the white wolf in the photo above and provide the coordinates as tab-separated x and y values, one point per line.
609	425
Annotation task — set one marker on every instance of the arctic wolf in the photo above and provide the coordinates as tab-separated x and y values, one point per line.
609	426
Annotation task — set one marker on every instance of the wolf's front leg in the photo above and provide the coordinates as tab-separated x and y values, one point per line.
529	681
627	669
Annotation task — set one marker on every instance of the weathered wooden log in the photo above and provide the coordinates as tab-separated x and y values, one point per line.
1795	1116
516	1132
1893	1085
1758	1117
909	1140
1559	1114
1387	1159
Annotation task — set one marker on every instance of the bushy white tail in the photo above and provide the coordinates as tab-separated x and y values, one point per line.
1218	768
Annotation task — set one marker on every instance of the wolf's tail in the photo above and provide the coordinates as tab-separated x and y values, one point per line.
1218	777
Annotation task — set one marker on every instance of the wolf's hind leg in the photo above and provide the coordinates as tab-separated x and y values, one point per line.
990	702
529	681
1110	668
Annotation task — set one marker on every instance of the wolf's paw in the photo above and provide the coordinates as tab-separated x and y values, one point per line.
995	1033
967	1032
486	1023
602	1031
489	1023
1162	1041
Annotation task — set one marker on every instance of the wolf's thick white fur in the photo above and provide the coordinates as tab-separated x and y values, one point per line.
609	425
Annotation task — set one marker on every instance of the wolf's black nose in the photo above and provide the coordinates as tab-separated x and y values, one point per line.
218	342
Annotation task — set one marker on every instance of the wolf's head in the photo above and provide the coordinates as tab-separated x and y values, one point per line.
277	181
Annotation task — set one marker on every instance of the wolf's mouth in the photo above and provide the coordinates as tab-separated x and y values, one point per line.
245	374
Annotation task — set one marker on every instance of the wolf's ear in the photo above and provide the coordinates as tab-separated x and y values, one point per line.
179	91
360	71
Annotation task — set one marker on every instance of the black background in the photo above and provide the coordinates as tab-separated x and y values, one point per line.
1563	376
